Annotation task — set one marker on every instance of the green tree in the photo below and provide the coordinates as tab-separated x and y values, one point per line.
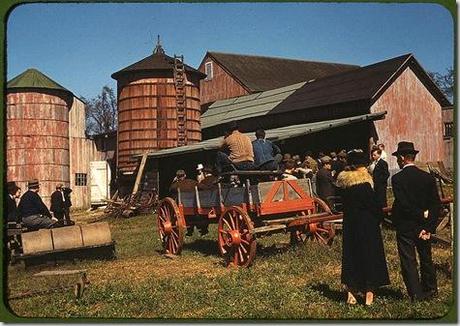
101	112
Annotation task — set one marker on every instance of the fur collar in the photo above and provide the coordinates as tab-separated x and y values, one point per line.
347	179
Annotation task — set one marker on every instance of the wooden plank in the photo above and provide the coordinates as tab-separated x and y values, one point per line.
61	272
139	173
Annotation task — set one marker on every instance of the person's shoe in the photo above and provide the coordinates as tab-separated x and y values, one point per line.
351	298
369	298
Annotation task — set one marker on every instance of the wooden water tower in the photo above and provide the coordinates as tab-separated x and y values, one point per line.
158	106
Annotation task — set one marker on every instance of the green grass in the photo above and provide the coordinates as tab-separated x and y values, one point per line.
284	283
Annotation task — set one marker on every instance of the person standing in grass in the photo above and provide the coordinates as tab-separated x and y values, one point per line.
415	212
364	266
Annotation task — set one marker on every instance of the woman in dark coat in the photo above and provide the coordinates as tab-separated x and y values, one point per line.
364	266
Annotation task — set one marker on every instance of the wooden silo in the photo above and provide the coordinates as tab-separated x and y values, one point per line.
37	130
158	106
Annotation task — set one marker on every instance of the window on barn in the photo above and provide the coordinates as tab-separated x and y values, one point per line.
80	179
448	130
208	70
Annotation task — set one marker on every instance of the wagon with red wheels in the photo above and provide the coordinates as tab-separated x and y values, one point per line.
245	214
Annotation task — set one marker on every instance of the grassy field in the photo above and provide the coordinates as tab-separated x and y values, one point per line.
284	283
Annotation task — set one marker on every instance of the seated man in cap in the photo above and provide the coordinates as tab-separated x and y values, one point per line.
239	147
34	213
57	202
325	186
181	182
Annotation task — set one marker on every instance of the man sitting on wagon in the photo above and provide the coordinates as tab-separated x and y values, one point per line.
181	182
267	155
239	149
209	181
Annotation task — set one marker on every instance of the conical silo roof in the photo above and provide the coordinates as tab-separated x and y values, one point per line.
33	78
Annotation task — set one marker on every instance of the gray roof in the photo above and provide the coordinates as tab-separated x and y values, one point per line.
247	106
276	134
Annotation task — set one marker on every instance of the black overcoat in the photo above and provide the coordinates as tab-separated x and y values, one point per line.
380	177
363	257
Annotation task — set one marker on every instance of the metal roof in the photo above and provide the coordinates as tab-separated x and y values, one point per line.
260	73
247	106
276	134
32	78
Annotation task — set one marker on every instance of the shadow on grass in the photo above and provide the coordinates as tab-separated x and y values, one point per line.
205	246
274	249
340	296
332	294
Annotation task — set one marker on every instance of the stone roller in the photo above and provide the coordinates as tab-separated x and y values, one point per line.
66	238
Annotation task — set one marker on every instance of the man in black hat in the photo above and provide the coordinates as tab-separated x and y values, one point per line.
415	213
34	213
14	192
57	202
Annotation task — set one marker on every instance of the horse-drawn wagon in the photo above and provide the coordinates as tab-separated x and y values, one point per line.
246	213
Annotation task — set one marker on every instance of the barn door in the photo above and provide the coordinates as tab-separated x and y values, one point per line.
100	182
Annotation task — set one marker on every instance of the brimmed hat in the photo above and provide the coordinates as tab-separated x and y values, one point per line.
357	157
405	147
342	154
12	188
199	167
325	159
33	184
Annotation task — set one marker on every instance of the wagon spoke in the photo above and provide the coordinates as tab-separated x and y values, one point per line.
319	237
232	222
227	224
235	257
240	254
244	241
237	226
243	248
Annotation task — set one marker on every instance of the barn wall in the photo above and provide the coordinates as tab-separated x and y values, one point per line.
82	151
448	117
221	86
413	115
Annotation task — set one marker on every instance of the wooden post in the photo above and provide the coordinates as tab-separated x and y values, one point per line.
140	173
248	187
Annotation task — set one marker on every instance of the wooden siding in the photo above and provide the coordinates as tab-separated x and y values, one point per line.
413	115
222	85
37	144
147	118
82	152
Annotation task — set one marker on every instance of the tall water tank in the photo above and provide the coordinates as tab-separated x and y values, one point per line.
37	131
148	104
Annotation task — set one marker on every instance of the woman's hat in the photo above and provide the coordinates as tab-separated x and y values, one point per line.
357	157
405	147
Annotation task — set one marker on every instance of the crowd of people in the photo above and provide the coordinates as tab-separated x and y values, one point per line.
360	181
30	210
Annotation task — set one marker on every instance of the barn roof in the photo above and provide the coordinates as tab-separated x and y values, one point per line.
246	106
362	84
33	78
156	62
258	73
276	134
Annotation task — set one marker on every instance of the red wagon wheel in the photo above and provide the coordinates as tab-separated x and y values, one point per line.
171	226
321	232
236	241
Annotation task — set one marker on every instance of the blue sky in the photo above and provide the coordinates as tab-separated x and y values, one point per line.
81	45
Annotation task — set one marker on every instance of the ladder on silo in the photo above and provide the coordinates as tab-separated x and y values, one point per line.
179	82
